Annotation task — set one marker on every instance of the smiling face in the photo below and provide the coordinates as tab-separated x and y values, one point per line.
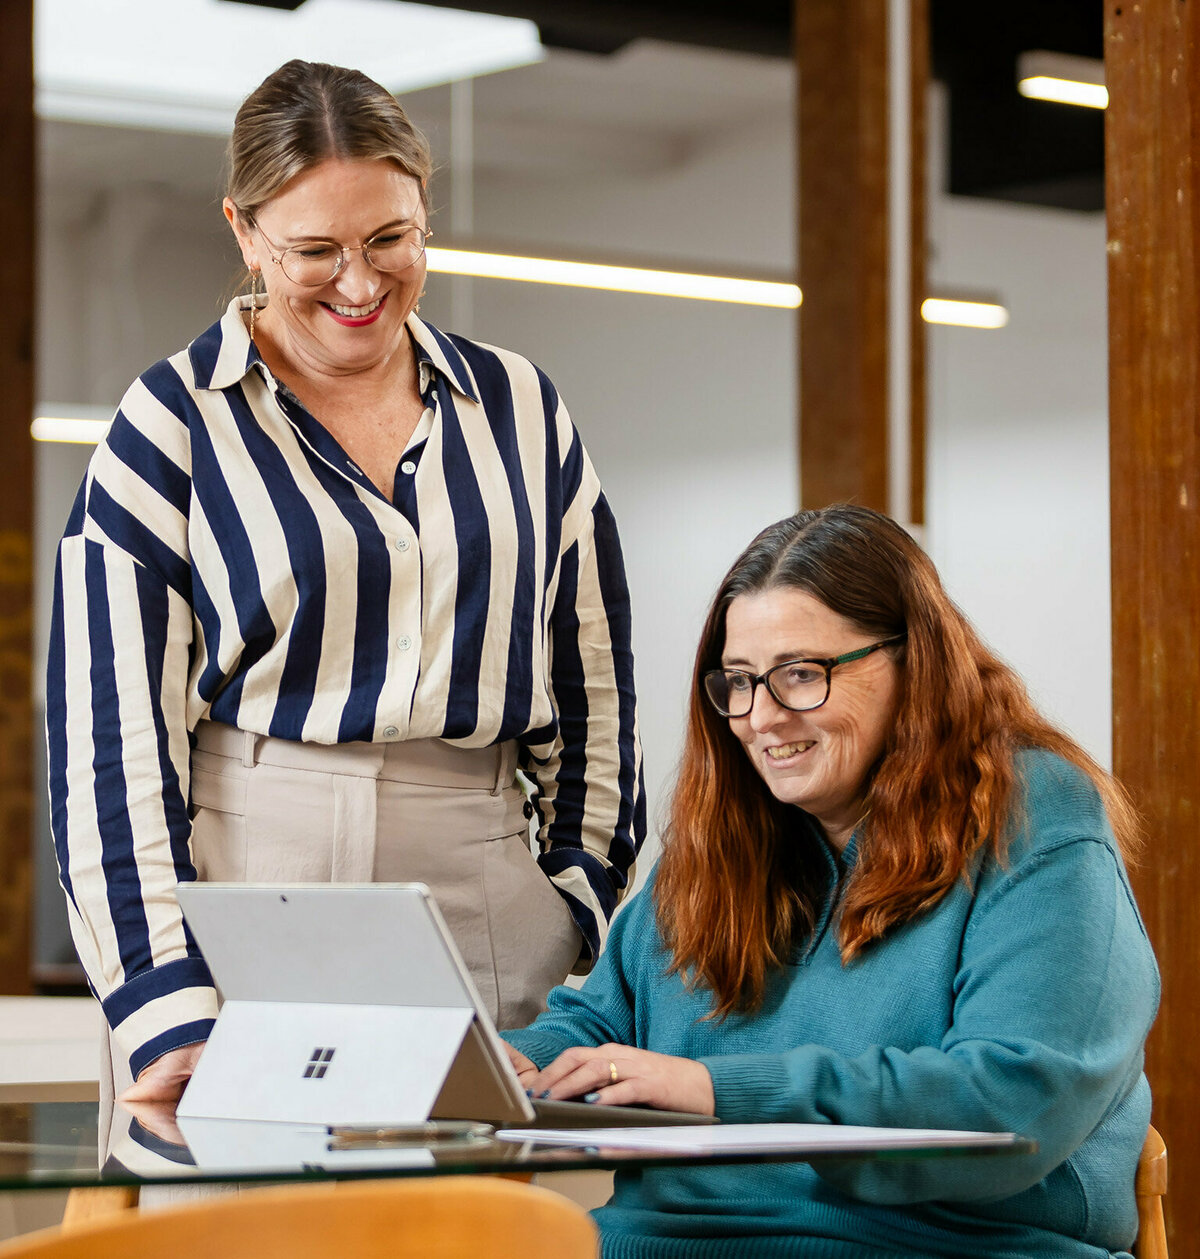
819	760
355	322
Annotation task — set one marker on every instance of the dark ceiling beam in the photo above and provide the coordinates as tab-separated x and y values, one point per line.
290	5
1001	146
755	26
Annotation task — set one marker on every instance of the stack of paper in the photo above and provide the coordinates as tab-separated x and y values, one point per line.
748	1138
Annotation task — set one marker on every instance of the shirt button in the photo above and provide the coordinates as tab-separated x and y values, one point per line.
401	544
390	732
404	642
408	466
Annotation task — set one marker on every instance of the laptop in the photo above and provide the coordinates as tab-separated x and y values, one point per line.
350	1005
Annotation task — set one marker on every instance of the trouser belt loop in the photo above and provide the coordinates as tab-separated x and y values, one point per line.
249	748
506	766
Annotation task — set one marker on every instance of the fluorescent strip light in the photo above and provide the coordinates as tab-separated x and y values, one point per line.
963	314
1064	91
66	428
1063	78
712	288
88	425
614	279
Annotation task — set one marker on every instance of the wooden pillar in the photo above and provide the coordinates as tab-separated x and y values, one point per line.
1152	54
842	61
918	183
17	224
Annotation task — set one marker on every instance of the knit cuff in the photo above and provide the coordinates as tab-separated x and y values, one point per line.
753	1088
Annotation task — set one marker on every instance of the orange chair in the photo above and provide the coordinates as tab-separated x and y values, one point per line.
449	1217
1149	1185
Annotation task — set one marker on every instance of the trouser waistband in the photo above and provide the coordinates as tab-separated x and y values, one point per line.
431	762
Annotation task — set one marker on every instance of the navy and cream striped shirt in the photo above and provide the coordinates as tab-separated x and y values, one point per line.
226	561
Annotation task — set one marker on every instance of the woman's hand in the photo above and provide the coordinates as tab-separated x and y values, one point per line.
525	1069
164	1079
642	1078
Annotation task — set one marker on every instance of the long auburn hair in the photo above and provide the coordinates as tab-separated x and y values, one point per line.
737	886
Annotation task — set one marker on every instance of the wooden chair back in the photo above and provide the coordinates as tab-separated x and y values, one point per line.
1150	1184
449	1217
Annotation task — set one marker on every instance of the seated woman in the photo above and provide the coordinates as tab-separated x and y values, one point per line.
891	893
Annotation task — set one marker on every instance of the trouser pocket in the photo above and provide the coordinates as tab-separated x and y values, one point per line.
535	941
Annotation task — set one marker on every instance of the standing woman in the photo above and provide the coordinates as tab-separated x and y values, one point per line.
333	576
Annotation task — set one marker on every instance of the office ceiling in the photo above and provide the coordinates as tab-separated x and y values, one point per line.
1001	145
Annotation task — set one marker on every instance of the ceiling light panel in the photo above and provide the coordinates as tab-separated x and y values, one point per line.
187	64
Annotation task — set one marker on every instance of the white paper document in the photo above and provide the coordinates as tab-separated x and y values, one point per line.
748	1138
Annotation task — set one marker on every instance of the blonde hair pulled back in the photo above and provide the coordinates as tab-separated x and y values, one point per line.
307	112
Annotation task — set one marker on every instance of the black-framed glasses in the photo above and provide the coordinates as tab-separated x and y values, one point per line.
315	262
797	685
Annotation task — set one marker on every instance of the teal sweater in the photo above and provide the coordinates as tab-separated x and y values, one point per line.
1018	1005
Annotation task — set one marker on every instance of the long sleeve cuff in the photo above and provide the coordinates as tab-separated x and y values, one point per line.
541	1049
586	883
741	1082
162	1009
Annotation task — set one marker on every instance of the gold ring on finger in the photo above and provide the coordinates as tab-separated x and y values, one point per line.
613	1075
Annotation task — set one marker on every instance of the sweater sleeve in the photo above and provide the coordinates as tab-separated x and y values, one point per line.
603	1010
590	796
121	637
1055	992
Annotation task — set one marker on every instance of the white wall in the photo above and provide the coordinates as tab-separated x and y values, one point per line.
1018	472
1018	498
688	408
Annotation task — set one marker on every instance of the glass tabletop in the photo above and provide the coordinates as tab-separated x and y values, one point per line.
53	1145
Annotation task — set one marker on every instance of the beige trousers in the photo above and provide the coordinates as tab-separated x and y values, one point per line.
271	810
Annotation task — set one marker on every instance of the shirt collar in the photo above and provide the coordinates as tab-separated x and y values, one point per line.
225	354
439	351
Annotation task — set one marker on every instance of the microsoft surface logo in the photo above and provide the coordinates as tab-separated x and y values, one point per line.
318	1063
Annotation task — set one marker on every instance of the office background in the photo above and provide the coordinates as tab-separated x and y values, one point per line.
1153	366
685	157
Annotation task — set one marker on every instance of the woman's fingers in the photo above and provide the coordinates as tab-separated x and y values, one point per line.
525	1068
166	1077
576	1072
620	1075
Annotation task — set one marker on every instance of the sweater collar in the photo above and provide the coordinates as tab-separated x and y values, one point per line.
838	868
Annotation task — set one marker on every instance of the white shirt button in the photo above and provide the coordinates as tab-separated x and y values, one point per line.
408	466
401	544
404	642
390	732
